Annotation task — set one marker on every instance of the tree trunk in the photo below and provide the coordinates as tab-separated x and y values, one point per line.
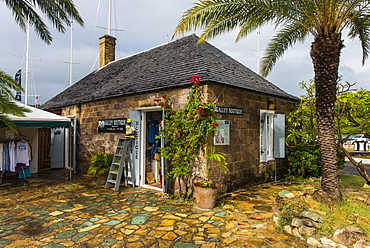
325	54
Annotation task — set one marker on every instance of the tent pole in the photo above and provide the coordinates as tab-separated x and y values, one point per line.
75	144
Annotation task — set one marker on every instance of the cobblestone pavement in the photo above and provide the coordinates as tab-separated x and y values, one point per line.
81	213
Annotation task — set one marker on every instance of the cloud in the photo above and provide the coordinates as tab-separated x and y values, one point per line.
146	24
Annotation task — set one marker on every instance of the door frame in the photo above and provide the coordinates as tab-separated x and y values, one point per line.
143	139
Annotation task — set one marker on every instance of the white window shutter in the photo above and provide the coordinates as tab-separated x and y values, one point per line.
264	137
279	136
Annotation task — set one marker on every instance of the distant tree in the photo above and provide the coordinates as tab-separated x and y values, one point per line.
352	116
353	109
325	20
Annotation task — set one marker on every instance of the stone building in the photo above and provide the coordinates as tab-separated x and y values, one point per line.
251	110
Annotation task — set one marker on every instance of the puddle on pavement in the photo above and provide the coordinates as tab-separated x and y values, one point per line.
33	228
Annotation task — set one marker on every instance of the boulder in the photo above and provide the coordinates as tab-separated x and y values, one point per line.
328	242
310	223
310	215
361	244
345	237
286	194
296	233
313	242
297	222
305	230
288	229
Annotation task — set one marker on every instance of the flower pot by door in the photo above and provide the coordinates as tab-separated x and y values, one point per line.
205	197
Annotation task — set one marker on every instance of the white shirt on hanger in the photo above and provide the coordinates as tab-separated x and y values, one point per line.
22	150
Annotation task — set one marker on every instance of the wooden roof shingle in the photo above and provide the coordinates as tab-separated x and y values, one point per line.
165	66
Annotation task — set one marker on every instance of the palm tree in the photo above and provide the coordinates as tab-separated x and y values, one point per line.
295	20
7	105
59	13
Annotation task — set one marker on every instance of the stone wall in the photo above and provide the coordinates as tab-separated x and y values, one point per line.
243	153
90	141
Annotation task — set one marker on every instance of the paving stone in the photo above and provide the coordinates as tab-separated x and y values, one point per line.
165	228
8	227
185	245
169	236
108	242
78	236
93	216
89	228
139	220
53	246
112	223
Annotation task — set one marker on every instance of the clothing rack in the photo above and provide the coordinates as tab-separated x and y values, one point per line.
19	166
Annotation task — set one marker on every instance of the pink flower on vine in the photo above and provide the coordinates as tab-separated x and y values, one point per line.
195	79
191	118
215	125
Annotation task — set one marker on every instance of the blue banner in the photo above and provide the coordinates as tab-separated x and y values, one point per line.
18	79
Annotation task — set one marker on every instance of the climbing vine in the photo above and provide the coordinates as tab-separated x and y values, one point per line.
186	130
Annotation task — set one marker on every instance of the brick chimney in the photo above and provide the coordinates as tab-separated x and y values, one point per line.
107	49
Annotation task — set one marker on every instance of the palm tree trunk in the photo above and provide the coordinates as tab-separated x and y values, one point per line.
325	54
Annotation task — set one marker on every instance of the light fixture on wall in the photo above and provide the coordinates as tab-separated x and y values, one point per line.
271	104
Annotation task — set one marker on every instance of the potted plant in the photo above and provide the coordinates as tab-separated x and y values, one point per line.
205	192
100	164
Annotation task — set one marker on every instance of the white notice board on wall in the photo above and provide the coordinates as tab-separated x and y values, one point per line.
222	134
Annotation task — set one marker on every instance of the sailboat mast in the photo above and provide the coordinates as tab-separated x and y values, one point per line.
258	49
27	62
71	57
110	17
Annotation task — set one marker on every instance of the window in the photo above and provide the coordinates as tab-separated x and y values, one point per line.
272	135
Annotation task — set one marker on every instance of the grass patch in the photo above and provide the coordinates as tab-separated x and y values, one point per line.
352	182
349	213
353	211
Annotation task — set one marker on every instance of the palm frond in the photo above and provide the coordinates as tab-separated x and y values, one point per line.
361	28
9	107
58	12
284	39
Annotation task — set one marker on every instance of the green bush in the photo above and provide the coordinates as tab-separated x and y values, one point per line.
305	160
100	163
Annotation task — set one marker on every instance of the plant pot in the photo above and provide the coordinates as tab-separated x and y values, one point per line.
102	179
205	197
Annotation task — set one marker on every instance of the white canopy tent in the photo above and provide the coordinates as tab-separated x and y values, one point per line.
38	118
29	126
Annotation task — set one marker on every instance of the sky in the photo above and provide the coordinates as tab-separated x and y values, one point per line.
141	25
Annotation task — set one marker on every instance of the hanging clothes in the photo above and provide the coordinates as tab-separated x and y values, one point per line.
13	153
153	131
22	153
6	158
152	134
12	156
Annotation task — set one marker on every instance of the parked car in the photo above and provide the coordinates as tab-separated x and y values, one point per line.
357	137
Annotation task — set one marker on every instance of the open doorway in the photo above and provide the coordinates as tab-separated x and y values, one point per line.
151	159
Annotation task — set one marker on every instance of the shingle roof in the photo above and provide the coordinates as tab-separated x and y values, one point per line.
165	66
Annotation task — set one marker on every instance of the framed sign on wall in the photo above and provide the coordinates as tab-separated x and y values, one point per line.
222	134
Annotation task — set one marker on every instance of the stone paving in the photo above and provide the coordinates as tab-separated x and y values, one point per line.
81	213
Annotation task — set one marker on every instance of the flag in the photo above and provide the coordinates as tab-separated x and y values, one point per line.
18	79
